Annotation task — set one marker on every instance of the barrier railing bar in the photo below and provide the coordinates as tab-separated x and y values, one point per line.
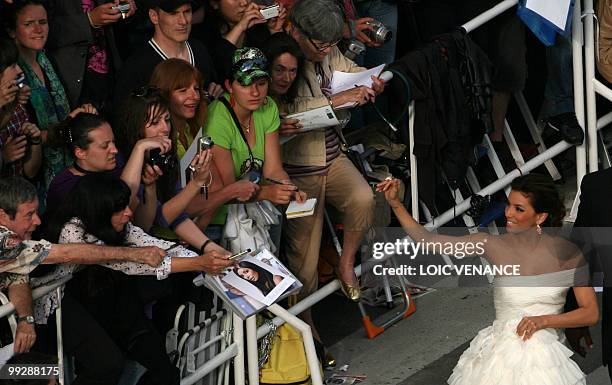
9	309
488	15
589	52
499	184
230	352
578	72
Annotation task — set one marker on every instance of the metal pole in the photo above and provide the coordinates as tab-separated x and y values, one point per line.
533	163
589	52
577	67
304	328
414	179
251	346
488	15
239	358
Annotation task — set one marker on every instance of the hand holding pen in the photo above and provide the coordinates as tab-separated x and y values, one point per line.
294	191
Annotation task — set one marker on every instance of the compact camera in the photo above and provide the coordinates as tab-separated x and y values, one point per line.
163	161
354	49
270	12
123	7
20	80
205	143
379	34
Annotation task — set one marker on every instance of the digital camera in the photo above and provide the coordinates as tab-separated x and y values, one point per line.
20	80
123	7
354	49
270	12
379	34
163	161
205	143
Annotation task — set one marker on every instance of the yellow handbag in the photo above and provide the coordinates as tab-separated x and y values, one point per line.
286	362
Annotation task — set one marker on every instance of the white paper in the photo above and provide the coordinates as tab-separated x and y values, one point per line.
187	158
6	352
555	11
342	81
318	118
295	207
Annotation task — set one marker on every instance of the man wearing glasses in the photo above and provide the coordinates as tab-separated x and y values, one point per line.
314	160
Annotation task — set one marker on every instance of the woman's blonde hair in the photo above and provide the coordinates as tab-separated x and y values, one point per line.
173	74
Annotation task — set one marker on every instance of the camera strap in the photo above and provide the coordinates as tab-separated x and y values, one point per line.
238	125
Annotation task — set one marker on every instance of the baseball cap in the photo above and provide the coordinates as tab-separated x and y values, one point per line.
168	5
249	64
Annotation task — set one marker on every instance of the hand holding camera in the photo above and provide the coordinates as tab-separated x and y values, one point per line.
276	15
8	92
32	133
252	16
200	168
372	32
105	14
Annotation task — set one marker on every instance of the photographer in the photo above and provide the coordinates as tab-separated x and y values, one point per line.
20	140
231	24
162	202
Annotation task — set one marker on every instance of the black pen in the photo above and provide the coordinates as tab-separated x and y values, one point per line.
281	183
174	246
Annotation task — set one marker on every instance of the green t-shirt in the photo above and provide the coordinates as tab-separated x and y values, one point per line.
221	128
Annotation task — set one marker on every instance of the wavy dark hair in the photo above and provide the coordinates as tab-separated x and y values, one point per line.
94	200
10	12
543	196
143	105
73	133
278	44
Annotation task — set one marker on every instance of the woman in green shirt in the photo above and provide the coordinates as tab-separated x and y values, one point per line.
244	125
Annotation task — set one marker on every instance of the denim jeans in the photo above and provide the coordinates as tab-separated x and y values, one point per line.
559	91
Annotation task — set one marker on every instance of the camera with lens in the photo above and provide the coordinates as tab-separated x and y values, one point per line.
163	161
379	33
205	143
123	7
354	49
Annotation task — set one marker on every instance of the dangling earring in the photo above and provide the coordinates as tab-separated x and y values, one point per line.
539	229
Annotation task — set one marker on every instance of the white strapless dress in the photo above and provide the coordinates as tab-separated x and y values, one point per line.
498	356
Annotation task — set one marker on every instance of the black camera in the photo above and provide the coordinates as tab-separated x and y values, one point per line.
164	161
205	143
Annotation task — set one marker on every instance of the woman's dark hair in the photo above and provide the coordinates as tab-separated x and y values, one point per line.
265	280
94	200
543	195
281	43
143	105
74	132
10	12
8	53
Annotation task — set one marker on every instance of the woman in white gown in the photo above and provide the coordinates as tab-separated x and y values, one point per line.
524	345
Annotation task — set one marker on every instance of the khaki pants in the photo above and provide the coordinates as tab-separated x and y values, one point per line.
347	191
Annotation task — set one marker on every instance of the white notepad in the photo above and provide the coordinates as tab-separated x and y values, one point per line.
297	210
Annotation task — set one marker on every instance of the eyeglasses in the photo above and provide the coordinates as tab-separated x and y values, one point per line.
323	47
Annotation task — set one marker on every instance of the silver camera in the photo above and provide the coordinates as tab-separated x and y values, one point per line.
20	80
205	143
270	12
379	34
123	7
354	49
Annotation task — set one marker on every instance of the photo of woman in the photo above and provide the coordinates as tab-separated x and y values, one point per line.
257	276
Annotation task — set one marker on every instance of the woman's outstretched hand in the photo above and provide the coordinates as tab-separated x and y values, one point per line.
390	187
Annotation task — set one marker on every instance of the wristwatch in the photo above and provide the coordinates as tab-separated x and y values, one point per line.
27	318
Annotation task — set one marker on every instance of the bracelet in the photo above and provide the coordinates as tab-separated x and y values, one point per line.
206	242
329	101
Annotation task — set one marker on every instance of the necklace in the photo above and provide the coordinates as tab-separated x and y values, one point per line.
247	126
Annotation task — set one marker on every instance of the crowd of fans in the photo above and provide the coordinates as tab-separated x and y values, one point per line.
98	103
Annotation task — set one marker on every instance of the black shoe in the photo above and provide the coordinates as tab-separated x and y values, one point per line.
326	359
567	125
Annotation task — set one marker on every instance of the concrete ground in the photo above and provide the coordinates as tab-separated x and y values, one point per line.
423	348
